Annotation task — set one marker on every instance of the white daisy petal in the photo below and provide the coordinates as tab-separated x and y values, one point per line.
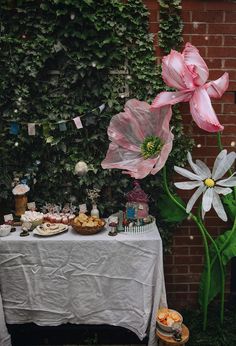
222	190
218	159
224	166
198	170
231	181
203	213
204	168
207	199
218	206
194	197
188	185
185	173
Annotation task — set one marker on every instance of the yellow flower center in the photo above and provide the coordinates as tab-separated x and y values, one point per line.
209	182
150	145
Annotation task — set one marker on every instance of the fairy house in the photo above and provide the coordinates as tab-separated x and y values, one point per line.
137	203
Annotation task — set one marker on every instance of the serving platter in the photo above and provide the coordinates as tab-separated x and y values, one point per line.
50	229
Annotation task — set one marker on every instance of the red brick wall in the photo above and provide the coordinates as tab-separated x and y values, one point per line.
211	27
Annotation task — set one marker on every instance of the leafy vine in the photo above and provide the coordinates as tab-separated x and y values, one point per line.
61	59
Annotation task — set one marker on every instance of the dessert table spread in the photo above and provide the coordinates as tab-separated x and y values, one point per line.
72	278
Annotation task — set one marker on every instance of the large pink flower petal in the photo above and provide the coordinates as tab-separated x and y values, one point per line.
161	122
130	128
175	72
202	111
217	88
132	162
196	64
163	155
170	98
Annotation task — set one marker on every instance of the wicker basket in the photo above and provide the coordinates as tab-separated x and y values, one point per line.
87	230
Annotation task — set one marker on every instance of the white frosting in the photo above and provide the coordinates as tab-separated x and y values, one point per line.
30	216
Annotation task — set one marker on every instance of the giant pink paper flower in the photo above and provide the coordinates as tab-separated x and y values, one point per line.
188	73
141	140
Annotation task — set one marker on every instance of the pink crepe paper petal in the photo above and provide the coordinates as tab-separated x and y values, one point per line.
127	132
161	122
175	72
163	155
170	98
202	111
217	88
134	163
196	64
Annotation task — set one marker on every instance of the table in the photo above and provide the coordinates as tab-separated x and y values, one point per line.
70	278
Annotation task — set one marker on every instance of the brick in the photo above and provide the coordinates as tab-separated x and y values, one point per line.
181	278
230	17
151	5
204	151
221	28
193	5
206	40
228	109
168	259
208	16
176	270
186	16
194	28
230	40
230	128
228	97
227	5
226	140
193	287
153	27
215	74
221	51
187	259
188	241
196	250
196	268
154	16
213	63
180	249
230	63
232	86
182	300
169	278
177	287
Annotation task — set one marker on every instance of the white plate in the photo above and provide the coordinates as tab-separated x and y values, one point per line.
44	231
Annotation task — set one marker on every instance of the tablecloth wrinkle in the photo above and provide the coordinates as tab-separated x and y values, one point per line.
78	279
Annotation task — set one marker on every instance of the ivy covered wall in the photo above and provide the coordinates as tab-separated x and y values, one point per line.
61	59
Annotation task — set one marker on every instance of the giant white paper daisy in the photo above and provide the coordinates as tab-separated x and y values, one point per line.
208	182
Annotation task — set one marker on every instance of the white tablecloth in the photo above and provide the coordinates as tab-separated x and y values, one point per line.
82	279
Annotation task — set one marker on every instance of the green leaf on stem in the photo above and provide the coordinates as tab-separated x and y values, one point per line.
168	210
230	205
227	254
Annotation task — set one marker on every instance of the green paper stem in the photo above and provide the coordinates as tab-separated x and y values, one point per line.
218	256
206	248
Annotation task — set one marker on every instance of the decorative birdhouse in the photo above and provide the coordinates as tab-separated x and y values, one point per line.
137	203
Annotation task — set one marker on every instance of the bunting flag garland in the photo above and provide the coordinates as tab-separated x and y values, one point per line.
31	129
78	123
15	124
14	128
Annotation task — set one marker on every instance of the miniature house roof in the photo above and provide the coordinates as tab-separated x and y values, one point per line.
137	194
